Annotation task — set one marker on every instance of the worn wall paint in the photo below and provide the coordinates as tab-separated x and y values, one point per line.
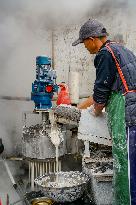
71	58
78	58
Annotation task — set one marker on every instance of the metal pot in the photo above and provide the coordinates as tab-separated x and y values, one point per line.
70	185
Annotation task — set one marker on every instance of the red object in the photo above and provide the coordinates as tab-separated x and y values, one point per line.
49	88
63	96
0	202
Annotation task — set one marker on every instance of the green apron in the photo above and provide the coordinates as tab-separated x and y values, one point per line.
117	126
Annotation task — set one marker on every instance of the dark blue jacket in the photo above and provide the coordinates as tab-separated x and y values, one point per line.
107	78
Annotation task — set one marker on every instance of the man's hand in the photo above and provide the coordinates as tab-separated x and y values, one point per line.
97	112
98	109
88	102
85	104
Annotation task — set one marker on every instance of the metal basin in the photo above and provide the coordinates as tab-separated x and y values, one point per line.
69	187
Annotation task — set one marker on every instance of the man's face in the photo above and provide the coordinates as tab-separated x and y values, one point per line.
91	46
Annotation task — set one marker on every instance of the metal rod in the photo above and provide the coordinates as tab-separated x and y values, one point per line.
54	166
15	98
9	173
36	169
32	176
29	172
2	97
53	49
46	168
42	168
49	167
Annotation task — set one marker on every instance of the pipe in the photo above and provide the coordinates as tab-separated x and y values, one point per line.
73	78
14	98
52	49
2	97
44	119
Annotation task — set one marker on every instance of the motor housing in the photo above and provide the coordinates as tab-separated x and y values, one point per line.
44	85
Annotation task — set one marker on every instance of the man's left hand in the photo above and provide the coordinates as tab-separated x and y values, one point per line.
97	112
98	109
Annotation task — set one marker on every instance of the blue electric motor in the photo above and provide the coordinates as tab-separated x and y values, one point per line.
45	85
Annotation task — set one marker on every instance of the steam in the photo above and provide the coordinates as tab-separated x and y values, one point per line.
25	32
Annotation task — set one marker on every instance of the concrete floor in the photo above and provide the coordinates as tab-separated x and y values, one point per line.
6	186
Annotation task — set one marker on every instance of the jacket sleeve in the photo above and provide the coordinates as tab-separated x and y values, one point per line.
105	75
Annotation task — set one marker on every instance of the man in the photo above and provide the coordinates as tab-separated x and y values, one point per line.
115	89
